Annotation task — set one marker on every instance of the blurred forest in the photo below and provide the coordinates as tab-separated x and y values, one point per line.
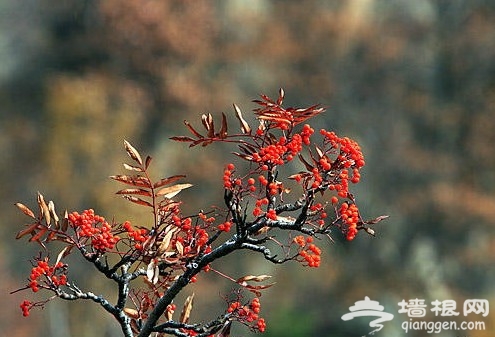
412	81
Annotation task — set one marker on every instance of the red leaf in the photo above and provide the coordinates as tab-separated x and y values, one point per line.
134	180
27	230
168	180
182	139
194	132
137	200
138	191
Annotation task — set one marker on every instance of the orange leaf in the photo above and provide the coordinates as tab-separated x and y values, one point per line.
25	209
171	191
132	152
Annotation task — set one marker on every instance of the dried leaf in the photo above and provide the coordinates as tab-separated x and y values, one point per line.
182	139
132	168
38	235
132	152
65	222
207	121
319	151
376	220
44	208
281	95
308	166
180	248
253	278
171	191
138	201
25	210
26	230
191	129
63	253
134	180
168	180
132	313
223	130
137	191
147	162
186	311
245	128
165	244
243	156
51	208
256	289
152	271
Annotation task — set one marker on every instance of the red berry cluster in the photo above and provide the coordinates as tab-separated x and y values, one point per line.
227	175
230	182
138	236
309	251
248	313
350	216
257	211
225	227
191	238
319	210
25	306
283	150
54	275
90	225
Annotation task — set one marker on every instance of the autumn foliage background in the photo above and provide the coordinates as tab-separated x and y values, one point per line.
411	81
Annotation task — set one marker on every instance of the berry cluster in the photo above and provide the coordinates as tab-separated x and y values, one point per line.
257	211
55	276
138	236
283	150
319	211
225	227
227	174
350	216
248	313
309	251
90	225
25	307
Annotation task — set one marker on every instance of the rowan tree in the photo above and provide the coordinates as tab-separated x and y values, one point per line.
150	265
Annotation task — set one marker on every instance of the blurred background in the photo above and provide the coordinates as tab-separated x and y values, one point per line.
412	81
